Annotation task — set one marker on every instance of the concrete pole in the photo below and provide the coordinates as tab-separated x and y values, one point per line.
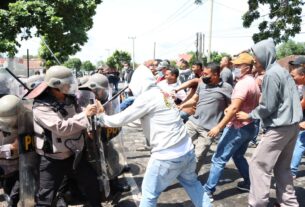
210	31
133	51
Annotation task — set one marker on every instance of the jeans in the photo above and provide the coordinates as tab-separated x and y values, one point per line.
233	143
127	102
161	173
184	116
257	127
298	153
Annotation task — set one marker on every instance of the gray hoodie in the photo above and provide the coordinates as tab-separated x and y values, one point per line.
280	103
160	121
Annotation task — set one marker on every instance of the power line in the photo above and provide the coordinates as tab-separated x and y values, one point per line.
228	7
169	18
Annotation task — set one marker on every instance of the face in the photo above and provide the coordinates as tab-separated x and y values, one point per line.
224	62
207	72
242	70
197	69
170	77
153	68
183	65
297	77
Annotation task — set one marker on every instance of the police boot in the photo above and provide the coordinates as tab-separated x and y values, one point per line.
116	186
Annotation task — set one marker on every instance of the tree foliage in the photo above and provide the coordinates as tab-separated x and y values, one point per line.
117	58
88	66
290	48
62	23
74	63
285	19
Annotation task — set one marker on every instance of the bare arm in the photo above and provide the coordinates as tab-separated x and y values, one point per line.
190	103
188	84
230	113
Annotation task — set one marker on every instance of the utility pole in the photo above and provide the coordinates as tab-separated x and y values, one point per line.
108	52
28	62
133	60
154	50
210	31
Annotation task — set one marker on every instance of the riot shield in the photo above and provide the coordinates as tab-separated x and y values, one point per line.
28	158
94	147
113	142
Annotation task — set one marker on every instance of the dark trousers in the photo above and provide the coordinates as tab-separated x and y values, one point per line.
52	173
11	187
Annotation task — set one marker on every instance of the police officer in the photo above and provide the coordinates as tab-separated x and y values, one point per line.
9	106
99	85
59	125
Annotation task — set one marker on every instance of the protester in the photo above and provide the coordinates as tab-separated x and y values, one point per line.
280	112
172	150
226	73
185	71
211	99
168	86
298	74
161	69
237	134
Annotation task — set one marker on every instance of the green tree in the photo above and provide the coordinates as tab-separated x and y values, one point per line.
215	57
290	48
100	63
88	66
117	58
63	24
74	63
285	19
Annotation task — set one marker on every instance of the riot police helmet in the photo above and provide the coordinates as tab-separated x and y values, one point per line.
99	84
9	107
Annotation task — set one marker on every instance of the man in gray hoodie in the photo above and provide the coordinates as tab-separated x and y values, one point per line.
280	112
172	154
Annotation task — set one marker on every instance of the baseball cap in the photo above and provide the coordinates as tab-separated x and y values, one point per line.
163	64
298	61
243	58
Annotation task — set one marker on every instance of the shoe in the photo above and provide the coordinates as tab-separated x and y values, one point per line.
276	204
210	196
243	186
122	188
126	168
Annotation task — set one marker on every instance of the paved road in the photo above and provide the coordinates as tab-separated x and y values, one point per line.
226	194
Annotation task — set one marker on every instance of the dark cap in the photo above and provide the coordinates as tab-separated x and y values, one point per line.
298	61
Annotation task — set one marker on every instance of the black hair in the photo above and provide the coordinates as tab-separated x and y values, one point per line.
300	70
174	71
214	67
198	64
184	62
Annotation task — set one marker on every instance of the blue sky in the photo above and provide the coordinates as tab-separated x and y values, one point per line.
172	24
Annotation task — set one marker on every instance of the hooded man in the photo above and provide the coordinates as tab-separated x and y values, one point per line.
280	112
172	149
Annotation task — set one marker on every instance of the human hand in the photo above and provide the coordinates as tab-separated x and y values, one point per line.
100	108
302	125
14	146
242	116
214	132
91	110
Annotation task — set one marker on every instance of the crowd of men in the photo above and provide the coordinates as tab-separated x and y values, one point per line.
182	112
